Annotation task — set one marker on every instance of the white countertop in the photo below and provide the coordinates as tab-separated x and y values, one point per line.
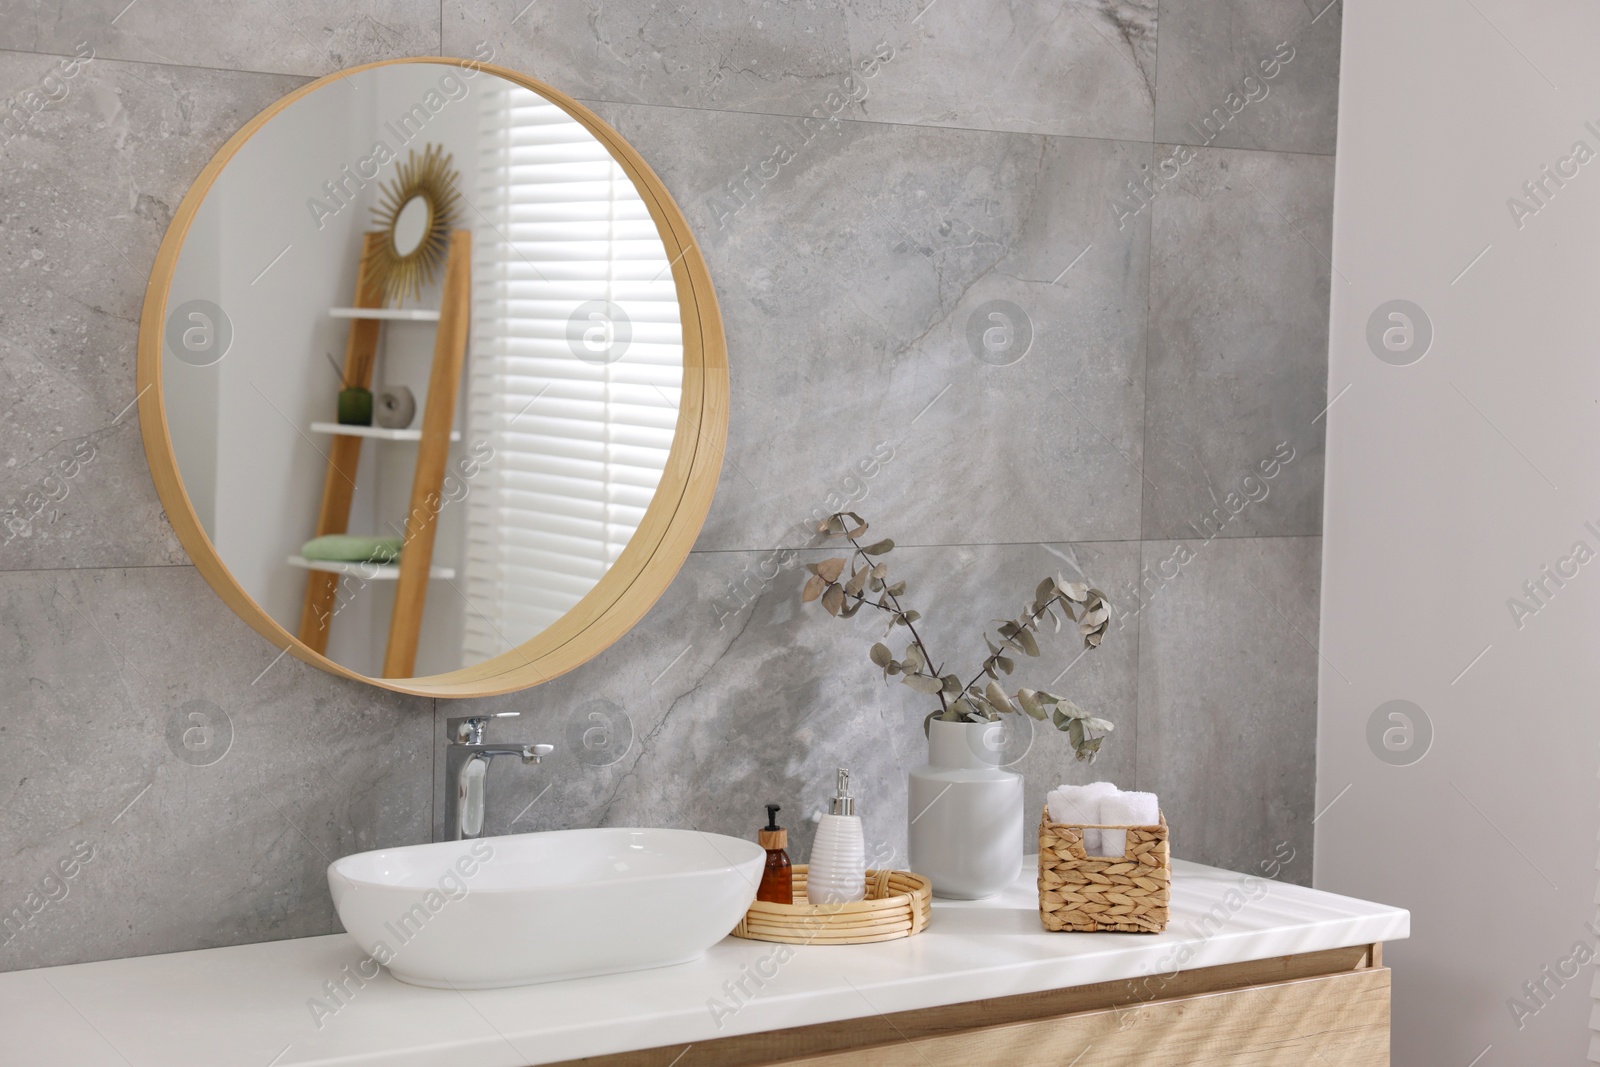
248	1005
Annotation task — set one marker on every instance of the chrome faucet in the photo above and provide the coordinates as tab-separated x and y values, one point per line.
466	768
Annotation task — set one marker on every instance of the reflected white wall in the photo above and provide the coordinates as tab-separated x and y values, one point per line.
263	250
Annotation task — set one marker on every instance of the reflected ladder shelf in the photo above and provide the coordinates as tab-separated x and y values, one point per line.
433	447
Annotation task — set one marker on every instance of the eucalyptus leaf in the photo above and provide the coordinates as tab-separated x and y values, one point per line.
878	548
1075	591
1029	645
912	616
857	580
897	589
1070	710
997	697
850	609
880	654
1030	704
952	685
814	587
1045	592
1005	663
833	599
922	683
830	569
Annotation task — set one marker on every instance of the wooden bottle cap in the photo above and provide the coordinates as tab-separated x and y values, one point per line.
771	839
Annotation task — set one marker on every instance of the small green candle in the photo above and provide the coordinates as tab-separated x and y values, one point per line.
355	407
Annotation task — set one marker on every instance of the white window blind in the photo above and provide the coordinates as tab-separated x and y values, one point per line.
580	443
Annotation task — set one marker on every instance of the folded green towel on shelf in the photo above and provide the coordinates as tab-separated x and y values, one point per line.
352	548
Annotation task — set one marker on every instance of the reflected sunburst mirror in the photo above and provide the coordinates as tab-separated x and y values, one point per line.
417	211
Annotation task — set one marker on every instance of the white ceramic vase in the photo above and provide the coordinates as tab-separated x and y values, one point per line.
965	812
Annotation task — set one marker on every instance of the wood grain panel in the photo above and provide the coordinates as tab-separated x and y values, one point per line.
1335	1021
433	455
344	455
1127	1002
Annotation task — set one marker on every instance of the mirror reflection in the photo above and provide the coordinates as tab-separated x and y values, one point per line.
422	366
411	225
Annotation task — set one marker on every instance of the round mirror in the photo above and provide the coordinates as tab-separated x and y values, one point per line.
410	226
463	392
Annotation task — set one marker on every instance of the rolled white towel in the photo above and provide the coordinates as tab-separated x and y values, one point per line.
1125	809
1077	805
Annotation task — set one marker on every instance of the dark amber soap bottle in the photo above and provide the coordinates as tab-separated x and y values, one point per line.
777	881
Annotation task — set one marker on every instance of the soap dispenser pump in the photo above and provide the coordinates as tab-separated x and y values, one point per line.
777	880
838	870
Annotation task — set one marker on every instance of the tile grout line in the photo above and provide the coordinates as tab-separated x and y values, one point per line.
1144	417
1241	538
596	101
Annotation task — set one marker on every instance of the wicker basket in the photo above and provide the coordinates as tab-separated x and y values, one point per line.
897	905
1079	892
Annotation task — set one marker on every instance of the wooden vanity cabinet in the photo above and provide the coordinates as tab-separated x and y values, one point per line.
1329	1009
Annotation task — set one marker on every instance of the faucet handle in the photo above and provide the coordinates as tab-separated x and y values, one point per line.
533	753
468	729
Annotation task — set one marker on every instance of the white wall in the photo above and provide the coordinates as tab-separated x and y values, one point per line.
1451	482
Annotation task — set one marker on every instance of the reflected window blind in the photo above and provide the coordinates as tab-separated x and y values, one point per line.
580	443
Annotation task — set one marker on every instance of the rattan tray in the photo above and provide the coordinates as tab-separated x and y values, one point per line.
897	904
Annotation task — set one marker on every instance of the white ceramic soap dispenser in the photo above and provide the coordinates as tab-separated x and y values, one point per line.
837	873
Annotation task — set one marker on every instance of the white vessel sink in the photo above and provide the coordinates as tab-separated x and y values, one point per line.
504	911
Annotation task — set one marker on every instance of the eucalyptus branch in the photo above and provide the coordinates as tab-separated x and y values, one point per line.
843	595
989	663
901	614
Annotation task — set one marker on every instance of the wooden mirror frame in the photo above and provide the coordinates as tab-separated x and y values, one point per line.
672	521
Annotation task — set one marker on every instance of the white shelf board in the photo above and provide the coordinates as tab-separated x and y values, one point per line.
377	571
393	314
376	432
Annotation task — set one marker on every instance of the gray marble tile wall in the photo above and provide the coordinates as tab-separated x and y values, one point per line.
1147	186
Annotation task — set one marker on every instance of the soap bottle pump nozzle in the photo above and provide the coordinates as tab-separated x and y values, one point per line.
843	803
772	818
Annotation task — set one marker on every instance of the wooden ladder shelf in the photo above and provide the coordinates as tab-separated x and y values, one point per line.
438	419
